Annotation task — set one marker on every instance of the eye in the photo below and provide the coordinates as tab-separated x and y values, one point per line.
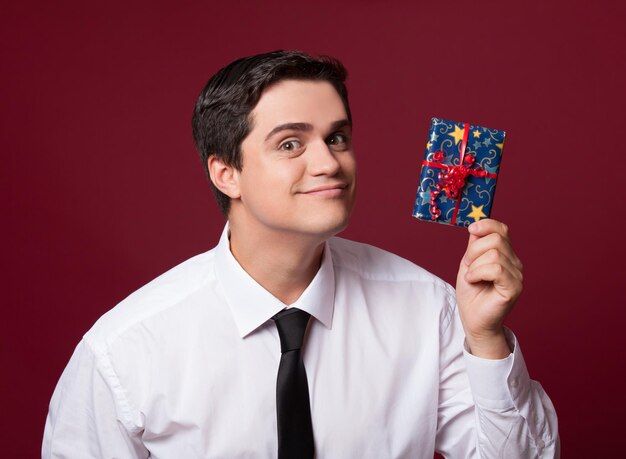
339	140
290	145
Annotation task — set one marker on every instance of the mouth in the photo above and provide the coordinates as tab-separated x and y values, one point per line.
328	191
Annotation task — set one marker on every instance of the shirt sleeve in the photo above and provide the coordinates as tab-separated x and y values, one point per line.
86	417
491	408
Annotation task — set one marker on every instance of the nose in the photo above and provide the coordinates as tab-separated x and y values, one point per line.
322	160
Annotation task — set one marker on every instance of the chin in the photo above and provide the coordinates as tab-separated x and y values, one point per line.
328	227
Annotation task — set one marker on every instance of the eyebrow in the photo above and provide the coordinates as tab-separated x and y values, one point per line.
305	127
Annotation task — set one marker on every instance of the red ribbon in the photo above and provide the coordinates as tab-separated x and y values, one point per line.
453	179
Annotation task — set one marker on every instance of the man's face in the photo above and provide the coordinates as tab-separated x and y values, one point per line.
299	171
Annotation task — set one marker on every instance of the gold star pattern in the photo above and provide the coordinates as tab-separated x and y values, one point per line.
428	145
477	212
457	134
476	134
500	145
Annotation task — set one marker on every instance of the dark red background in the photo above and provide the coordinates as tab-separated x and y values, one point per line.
102	189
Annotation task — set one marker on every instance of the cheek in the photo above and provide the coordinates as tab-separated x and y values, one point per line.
271	180
348	164
284	174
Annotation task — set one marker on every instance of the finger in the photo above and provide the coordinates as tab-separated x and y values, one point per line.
471	240
493	256
507	285
488	226
492	241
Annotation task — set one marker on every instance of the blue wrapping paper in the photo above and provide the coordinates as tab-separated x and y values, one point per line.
459	157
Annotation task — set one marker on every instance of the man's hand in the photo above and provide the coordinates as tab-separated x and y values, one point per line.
488	284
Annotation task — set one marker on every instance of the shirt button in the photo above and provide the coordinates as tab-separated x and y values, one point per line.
514	382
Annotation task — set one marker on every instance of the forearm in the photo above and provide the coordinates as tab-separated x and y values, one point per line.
514	416
508	433
489	407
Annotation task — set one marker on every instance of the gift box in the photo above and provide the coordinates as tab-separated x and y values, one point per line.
459	173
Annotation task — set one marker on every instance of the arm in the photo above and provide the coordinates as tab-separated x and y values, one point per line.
505	395
488	381
490	408
87	415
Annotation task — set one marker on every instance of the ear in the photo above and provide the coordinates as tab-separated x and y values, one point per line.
224	177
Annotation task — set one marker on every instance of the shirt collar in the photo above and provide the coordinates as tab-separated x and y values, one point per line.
252	305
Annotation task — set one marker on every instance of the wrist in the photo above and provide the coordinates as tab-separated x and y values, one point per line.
492	345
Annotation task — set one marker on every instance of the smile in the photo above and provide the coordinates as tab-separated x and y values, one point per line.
328	191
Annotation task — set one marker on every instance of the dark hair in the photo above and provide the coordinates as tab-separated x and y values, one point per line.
221	118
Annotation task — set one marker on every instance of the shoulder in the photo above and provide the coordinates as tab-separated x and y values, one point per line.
374	263
403	283
169	290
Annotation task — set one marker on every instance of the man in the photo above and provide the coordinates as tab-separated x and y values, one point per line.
387	365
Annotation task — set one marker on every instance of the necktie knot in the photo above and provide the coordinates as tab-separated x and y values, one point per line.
291	324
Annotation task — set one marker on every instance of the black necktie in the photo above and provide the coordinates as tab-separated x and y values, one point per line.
295	431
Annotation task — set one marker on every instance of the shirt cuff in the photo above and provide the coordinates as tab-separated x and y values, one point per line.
497	383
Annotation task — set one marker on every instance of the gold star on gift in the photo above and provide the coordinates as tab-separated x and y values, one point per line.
457	134
477	212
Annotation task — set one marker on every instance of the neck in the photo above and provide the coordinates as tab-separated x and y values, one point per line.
282	263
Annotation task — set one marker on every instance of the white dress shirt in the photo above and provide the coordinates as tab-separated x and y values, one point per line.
186	368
